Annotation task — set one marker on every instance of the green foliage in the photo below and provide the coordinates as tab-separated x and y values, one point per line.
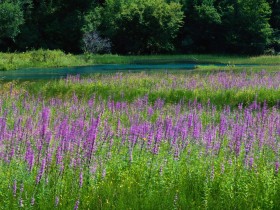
207	13
250	31
143	26
202	26
38	58
137	26
52	25
227	26
275	24
11	17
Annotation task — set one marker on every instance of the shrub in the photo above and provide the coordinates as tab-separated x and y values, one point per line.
94	43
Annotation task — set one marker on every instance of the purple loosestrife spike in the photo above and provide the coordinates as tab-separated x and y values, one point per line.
175	134
21	203
150	111
92	138
276	167
230	162
222	127
45	120
240	106
156	149
184	136
161	170
104	173
42	170
208	138
61	170
59	156
217	146
48	138
81	179
251	162
190	120
176	153
77	205
15	187
212	173
118	128
124	136
93	168
222	168
29	157
261	138
21	188
11	154
32	201
178	109
150	139
56	201
130	154
168	126
49	156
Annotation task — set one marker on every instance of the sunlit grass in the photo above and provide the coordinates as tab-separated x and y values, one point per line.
221	88
56	58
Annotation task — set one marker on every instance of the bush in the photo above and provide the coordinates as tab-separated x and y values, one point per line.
93	43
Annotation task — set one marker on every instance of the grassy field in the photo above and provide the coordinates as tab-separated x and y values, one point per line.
221	88
236	68
141	141
47	58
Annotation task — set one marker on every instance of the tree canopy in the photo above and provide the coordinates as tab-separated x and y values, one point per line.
142	26
137	26
11	17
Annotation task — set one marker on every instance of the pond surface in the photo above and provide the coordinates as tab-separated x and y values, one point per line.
57	73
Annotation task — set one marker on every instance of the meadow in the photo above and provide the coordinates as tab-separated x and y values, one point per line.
57	58
141	141
220	88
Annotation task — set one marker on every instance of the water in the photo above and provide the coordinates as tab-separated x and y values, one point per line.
57	73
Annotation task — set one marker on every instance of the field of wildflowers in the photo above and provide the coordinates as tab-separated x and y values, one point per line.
222	88
124	141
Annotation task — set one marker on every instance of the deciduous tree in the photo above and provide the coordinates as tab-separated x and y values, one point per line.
11	17
137	26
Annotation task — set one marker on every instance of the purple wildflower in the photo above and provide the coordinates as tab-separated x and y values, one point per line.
77	205
41	171
32	201
276	167
56	201
15	187
81	179
251	162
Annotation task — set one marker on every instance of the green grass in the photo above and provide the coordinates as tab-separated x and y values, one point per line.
212	68
192	58
56	58
172	88
195	181
39	58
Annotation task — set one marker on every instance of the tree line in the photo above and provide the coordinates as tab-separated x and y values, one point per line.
141	26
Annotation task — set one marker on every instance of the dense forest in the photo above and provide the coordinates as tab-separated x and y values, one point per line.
141	26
